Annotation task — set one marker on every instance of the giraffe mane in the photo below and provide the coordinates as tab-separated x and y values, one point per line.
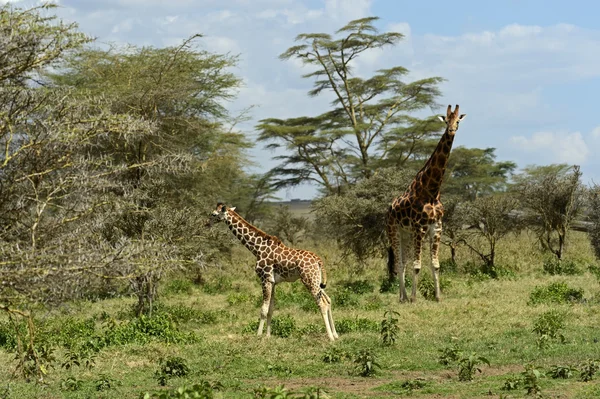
256	229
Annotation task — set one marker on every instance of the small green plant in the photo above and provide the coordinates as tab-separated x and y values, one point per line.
389	327
469	365
563	372
79	358
71	384
104	383
512	383
279	369
548	327
554	266
202	390
169	368
236	298
345	299
531	380
365	362
358	287
411	385
344	326
449	355
333	355
588	370
557	292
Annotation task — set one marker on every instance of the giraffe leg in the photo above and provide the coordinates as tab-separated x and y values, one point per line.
435	232
264	309
393	251
330	315
405	249
322	300
417	242
271	308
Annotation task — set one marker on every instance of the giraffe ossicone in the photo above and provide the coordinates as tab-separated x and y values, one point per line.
418	213
275	263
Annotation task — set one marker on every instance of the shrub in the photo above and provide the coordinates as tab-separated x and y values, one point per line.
563	372
345	326
449	355
558	292
512	383
236	298
548	327
202	390
389	327
345	299
334	355
554	266
169	368
366	363
179	286
218	286
358	287
469	365
588	370
531	380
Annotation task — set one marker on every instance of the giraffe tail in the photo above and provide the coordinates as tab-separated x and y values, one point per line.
323	277
391	262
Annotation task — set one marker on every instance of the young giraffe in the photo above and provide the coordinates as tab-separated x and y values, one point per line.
276	263
419	212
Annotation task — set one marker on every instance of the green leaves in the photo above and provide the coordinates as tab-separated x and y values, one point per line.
342	145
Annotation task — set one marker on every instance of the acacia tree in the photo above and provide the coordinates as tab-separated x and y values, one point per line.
368	116
179	91
553	196
492	219
473	172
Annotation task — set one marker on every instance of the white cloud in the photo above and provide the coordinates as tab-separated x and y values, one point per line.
596	133
555	147
346	10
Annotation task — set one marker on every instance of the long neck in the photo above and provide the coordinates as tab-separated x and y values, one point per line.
429	179
252	237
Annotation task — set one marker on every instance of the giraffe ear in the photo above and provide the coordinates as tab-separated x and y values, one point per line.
232	208
463	116
442	118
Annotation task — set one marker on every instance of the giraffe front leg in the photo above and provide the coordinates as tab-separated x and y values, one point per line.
405	247
436	237
267	288
271	308
418	240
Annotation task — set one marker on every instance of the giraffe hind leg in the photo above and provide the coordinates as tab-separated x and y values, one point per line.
323	302
330	314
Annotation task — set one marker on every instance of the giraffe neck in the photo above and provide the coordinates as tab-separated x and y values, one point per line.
428	181
252	237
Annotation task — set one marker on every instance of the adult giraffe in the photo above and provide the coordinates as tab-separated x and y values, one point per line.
419	212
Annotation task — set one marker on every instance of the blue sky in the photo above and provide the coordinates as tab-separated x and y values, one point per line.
527	72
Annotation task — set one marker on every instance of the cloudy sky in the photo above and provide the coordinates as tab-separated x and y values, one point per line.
527	72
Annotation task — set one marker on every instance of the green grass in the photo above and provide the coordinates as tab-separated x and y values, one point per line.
490	317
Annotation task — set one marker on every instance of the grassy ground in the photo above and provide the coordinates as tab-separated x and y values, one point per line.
488	317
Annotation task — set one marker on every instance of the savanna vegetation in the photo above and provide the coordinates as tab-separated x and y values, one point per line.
112	286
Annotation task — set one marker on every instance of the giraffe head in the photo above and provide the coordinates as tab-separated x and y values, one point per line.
452	119
219	214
